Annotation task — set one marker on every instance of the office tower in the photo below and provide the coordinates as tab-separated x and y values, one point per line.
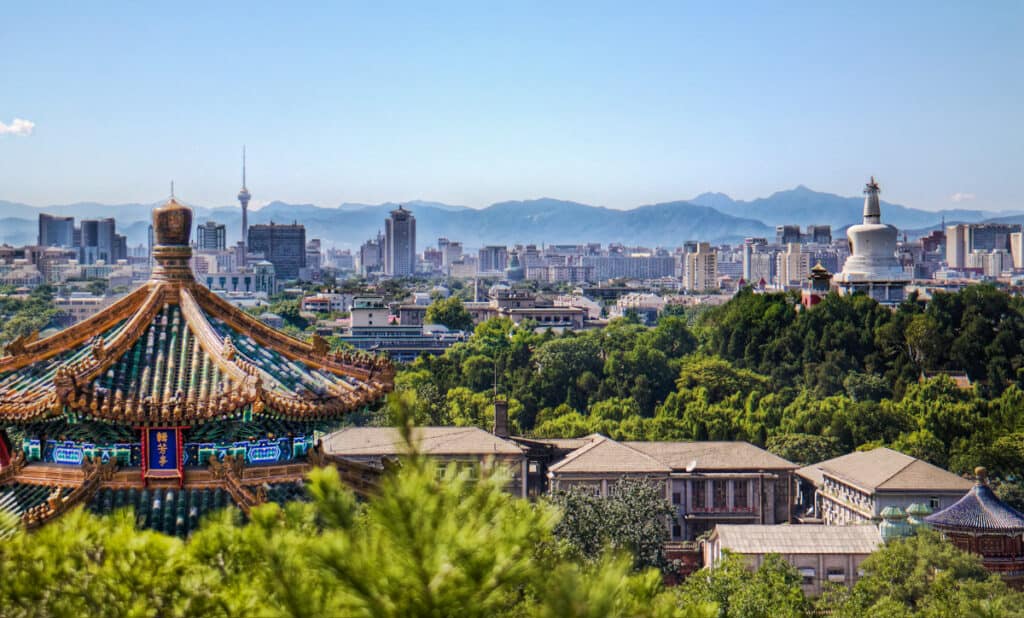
400	243
991	236
243	198
492	258
434	258
119	251
284	246
451	253
819	234
211	236
785	234
56	231
371	255
956	246
702	268
97	240
794	265
751	246
314	257
1017	249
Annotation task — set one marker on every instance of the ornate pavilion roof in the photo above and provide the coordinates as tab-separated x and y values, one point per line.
979	511
173	352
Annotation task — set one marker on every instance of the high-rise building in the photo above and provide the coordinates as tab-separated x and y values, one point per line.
967	238
400	243
785	234
211	236
794	265
452	253
284	246
956	246
702	268
1017	250
56	231
750	247
243	198
371	255
97	240
819	234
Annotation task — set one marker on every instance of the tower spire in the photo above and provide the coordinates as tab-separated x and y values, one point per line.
243	198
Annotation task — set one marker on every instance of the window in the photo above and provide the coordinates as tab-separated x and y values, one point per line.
837	576
933	503
807	573
700	494
718	487
677	498
739	494
677	530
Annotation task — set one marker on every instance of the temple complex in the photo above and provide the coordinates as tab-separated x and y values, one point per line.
172	401
983	524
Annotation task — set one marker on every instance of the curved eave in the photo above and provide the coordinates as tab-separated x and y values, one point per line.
241	387
367	369
43	349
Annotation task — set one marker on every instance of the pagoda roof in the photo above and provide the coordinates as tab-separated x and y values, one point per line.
173	352
980	510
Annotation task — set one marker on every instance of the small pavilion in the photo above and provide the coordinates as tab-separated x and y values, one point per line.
983	524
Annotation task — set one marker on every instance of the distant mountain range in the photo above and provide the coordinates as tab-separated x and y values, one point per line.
714	217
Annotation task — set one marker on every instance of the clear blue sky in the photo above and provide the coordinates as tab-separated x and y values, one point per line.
616	104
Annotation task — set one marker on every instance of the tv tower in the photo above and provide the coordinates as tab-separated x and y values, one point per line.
243	198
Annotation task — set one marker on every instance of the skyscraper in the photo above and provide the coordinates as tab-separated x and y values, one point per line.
211	236
702	268
400	243
284	246
97	240
243	198
56	231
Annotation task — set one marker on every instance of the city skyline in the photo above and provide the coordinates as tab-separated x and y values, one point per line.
466	105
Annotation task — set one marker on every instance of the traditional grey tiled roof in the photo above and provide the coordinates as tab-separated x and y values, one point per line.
566	443
979	510
883	469
387	441
711	456
800	539
607	456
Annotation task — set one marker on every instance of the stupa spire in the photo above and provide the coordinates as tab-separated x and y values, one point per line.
872	210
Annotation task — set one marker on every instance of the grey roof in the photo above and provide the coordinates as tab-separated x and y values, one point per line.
712	455
386	441
798	539
980	509
604	455
883	469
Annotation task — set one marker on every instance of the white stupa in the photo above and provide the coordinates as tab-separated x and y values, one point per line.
872	267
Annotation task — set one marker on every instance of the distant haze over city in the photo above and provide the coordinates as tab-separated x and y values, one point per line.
467	104
715	217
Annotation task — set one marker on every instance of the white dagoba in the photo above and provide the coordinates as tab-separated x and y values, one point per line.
872	267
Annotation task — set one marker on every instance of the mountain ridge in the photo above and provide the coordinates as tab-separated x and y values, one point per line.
714	217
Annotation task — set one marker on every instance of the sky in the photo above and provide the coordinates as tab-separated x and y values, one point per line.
614	104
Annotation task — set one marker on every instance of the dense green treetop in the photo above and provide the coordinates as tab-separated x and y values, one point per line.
806	383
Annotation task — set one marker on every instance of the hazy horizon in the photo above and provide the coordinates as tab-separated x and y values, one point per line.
473	104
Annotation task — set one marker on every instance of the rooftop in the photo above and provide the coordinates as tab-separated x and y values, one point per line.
980	509
712	455
799	539
606	455
387	441
883	469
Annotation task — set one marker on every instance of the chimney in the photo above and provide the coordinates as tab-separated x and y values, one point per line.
501	418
